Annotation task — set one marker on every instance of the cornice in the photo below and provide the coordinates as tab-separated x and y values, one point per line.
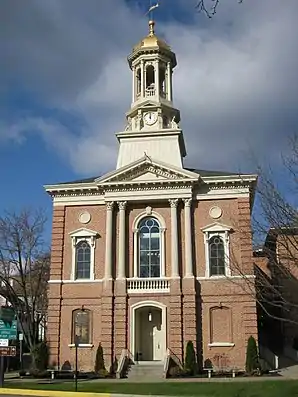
148	185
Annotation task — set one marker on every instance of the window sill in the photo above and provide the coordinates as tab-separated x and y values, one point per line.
86	345
221	344
82	280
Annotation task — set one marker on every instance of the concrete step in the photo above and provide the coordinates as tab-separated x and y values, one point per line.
146	371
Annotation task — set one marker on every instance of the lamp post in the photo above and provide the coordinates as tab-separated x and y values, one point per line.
76	341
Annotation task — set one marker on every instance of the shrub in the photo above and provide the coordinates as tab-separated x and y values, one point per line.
99	367
190	359
252	359
66	366
41	356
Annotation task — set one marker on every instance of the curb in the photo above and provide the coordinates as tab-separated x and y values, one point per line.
50	393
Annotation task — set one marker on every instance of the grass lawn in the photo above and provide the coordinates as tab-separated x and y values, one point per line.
213	389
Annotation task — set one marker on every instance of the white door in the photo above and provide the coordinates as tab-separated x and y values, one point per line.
158	343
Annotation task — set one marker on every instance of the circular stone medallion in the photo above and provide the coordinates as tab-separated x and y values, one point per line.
84	217
215	212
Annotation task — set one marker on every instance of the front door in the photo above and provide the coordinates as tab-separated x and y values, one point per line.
158	343
149	334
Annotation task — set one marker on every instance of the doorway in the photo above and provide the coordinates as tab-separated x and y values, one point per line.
149	342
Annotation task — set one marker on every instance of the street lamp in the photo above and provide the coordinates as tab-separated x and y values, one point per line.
76	342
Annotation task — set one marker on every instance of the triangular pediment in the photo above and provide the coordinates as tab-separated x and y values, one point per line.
216	227
147	170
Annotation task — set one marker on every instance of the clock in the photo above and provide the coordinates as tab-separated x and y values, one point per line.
150	118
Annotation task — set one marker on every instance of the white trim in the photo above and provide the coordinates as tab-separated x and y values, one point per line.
148	285
80	281
132	321
221	344
83	232
214	278
217	194
77	236
223	231
110	177
222	194
80	345
216	227
162	228
144	214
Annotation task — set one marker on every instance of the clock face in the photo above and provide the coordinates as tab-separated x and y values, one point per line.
150	118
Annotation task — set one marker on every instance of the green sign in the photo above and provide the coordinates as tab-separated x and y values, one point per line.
7	314
8	330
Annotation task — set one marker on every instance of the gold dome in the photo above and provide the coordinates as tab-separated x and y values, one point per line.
151	40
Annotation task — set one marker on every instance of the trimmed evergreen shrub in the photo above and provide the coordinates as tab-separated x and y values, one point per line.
252	358
99	367
190	359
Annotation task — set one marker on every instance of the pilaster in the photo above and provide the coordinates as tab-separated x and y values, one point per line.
176	319
120	317
107	322
189	306
55	291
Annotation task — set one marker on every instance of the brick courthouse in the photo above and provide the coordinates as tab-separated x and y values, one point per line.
143	257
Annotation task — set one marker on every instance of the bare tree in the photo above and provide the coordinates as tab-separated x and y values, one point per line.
25	262
209	7
275	228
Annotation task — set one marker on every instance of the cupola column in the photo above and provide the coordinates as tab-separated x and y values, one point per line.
133	84
156	76
169	82
143	79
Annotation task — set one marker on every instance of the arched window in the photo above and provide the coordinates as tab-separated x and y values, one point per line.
149	248
83	260
81	326
150	80
216	256
162	81
139	81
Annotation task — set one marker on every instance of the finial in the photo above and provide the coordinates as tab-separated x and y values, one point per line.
151	27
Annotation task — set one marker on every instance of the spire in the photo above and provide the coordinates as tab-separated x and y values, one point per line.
151	28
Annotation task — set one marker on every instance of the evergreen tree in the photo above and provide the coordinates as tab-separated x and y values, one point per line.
190	359
99	361
252	359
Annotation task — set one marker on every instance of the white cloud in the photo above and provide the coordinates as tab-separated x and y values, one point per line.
235	82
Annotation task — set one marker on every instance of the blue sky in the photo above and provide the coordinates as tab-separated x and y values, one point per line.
65	86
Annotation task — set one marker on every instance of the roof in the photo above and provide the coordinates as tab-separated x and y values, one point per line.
203	173
151	40
85	180
206	173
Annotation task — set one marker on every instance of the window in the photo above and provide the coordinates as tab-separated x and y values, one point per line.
139	82
217	239
83	254
216	256
81	326
221	326
83	260
149	248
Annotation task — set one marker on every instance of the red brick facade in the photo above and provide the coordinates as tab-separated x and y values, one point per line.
204	310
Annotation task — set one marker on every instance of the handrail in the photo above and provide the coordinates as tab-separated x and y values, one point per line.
125	355
171	355
121	364
166	363
176	359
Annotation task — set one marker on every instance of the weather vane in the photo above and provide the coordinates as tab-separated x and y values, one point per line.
151	9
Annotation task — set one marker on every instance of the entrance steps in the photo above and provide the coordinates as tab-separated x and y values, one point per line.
146	370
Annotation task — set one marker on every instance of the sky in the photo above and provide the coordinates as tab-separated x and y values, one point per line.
65	86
